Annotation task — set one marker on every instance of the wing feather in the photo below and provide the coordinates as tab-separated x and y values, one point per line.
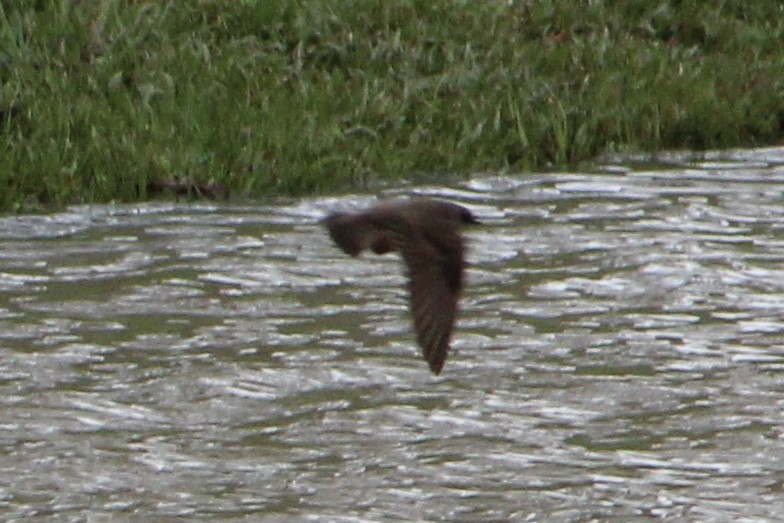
434	284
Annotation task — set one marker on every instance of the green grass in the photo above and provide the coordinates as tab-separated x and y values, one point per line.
101	100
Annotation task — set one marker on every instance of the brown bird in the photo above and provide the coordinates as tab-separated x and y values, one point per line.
426	232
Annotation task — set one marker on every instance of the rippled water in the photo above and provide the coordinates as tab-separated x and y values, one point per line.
619	357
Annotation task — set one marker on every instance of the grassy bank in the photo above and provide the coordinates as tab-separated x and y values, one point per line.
114	100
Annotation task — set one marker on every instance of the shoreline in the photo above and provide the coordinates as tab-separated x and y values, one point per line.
115	101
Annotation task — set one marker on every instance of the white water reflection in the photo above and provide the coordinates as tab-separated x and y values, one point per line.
619	356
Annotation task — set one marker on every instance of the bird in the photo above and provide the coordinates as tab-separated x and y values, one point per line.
427	234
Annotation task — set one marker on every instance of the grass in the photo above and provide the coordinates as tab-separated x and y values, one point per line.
105	100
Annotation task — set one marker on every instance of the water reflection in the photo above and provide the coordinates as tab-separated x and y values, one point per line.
619	356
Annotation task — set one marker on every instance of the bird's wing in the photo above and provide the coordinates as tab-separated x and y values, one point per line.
435	278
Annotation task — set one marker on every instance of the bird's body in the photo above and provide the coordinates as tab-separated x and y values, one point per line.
426	232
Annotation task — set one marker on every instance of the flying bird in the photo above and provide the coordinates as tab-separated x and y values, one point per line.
426	233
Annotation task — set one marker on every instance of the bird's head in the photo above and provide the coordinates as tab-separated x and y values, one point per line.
467	216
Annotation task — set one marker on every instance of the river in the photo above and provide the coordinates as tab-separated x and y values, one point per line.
619	356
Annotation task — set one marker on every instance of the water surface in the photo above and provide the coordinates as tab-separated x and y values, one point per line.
619	357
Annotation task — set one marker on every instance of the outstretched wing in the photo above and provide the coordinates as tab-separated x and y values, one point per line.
435	270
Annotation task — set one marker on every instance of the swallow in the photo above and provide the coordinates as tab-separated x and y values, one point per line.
427	234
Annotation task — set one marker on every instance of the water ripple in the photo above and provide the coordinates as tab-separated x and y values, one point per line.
618	357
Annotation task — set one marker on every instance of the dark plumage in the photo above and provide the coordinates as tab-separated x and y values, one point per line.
426	232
